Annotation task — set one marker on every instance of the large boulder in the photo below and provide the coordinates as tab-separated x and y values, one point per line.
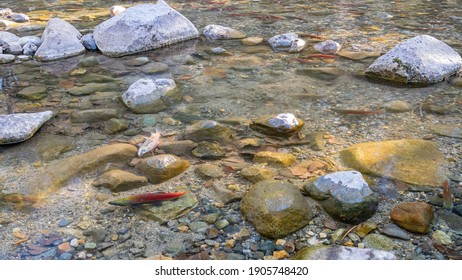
141	28
345	196
151	96
16	128
419	60
276	208
59	40
413	161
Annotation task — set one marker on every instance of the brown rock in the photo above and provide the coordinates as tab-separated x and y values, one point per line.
413	216
178	148
208	171
258	173
119	180
275	159
161	168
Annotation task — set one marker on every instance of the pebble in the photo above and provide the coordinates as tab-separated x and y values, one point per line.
89	246
64	222
282	254
393	230
322	235
441	237
19	18
74	242
221	224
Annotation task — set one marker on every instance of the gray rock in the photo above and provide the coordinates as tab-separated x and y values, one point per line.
8	37
141	28
148	96
379	242
328	46
60	40
6	12
393	230
34	39
94	115
89	42
345	196
419	60
29	48
341	253
208	131
216	32
115	10
6	58
12	47
17	128
19	17
288	42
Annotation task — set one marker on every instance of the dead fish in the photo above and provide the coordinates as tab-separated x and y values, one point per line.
145	198
150	144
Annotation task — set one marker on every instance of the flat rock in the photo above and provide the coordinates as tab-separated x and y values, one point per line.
16	128
328	46
151	96
452	220
7	58
170	209
393	230
33	93
160	168
178	148
59	40
208	171
258	173
378	242
454	131
341	253
288	42
52	146
94	115
275	159
93	87
56	175
141	28
208	130
345	195
120	180
285	124
276	208
208	150
413	216
218	32
397	106
417	162
419	60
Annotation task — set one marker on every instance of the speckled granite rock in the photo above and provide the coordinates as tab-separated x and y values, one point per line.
16	128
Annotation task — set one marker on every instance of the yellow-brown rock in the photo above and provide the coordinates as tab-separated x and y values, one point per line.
258	173
161	168
417	162
413	216
119	180
275	159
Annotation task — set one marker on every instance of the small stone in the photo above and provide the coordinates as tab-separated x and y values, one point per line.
198	226
178	148
397	106
33	92
208	150
275	159
208	130
329	47
29	49
64	248
114	125
115	10
74	242
119	180
161	168
94	115
413	216
285	124
365	228
322	235
138	61
379	242
282	254
6	58
64	222
221	224
393	230
258	173
288	42
230	243
66	256
341	253
218	32
243	234
89	246
19	17
441	237
89	42
252	41
209	171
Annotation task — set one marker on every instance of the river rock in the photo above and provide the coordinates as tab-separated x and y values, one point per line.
94	115
119	181
17	17
417	162
58	174
178	148
378	242
52	146
322	73
252	41
276	208
6	12
97	78
12	47
419	60
16	128
170	209
288	42
217	32
88	42
91	88
341	253
114	125
452	220
345	196
33	92
208	150
209	171
285	124
441	237
258	173
275	159
160	168
450	130
141	28
413	216
6	58
8	37
115	10
397	106
59	40
393	230
29	49
208	130
329	47
151	96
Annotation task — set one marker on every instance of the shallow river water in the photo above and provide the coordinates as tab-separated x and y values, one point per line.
246	82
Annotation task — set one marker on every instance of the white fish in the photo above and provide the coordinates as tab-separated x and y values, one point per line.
150	144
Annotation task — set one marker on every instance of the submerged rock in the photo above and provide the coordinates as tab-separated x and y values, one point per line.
275	159
18	17
147	96
345	196
16	128
58	174
208	150
454	131
89	42
59	40
412	161
341	253
419	60
276	208
94	115
161	168
329	46
413	216
33	92
208	131
288	42
284	124
178	148
115	10
216	32
141	28
6	58
119	181
208	170
258	173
